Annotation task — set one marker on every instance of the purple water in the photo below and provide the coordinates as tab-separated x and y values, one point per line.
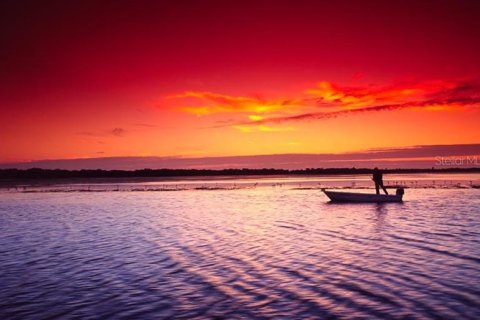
255	253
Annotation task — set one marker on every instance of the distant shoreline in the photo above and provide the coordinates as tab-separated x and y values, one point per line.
16	175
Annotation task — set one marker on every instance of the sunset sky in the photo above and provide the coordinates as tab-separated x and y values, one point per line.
200	79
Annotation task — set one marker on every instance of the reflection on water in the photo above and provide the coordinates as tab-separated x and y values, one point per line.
419	180
239	254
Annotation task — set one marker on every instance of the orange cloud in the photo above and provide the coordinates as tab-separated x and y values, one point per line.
327	100
262	128
255	117
348	98
221	103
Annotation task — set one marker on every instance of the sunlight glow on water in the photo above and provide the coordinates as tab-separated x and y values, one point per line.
248	253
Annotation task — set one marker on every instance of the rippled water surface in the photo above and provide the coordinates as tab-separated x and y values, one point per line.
239	254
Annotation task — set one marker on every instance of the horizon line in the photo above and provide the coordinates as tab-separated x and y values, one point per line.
409	156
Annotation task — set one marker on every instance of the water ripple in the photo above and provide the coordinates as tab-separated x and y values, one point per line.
238	254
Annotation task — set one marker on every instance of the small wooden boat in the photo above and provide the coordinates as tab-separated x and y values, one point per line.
340	196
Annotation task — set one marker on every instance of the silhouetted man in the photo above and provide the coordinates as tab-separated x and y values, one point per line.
378	179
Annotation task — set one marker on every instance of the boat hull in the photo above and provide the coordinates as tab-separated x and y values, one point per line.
338	196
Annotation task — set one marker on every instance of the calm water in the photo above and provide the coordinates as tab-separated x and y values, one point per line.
239	254
419	180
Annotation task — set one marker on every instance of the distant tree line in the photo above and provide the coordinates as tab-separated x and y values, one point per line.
37	173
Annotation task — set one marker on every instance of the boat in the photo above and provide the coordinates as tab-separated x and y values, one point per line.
341	196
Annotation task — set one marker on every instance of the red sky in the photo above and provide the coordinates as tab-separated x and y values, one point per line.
88	79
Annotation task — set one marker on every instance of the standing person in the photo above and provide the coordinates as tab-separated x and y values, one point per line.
378	179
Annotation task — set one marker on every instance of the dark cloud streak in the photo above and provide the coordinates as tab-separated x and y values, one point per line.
414	157
116	132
